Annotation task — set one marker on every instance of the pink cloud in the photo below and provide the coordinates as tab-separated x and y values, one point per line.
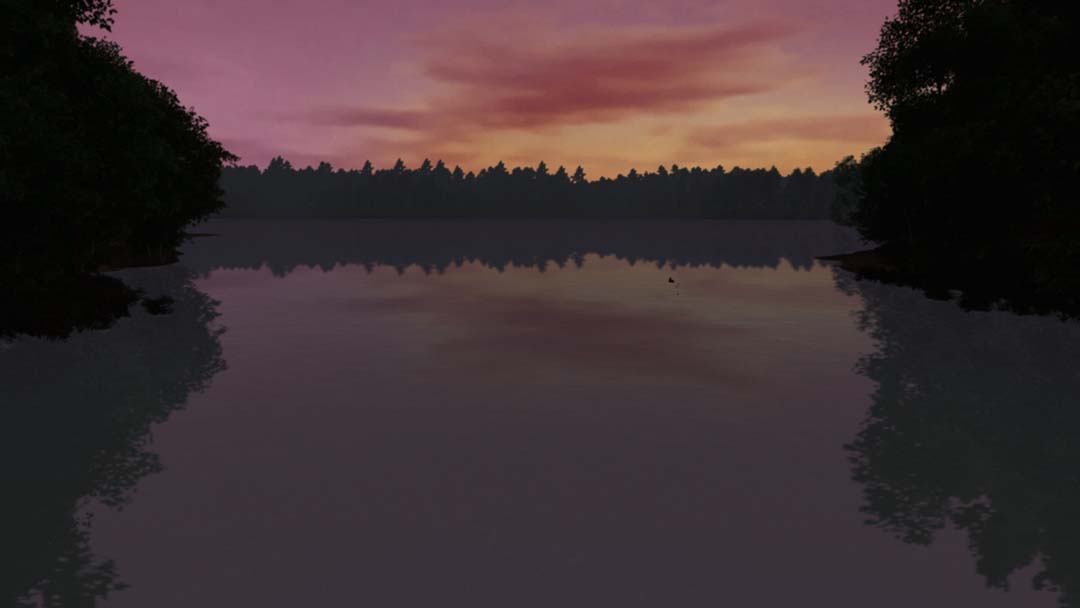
495	77
344	117
575	77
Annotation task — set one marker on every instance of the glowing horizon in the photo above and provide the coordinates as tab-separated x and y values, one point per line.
611	86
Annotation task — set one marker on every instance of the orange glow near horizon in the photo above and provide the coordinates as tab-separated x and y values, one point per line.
608	85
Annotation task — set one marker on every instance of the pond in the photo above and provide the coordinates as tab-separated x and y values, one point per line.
540	414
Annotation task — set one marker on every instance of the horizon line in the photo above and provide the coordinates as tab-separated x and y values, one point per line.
433	165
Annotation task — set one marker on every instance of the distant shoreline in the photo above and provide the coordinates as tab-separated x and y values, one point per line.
496	218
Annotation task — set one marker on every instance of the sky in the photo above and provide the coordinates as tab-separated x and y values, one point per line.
608	84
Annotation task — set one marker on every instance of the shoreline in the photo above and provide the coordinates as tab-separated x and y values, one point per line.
59	307
873	260
124	259
976	286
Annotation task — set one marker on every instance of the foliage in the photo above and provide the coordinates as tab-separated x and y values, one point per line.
96	160
982	169
434	190
849	190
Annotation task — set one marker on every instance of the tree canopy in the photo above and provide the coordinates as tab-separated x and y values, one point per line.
98	163
982	169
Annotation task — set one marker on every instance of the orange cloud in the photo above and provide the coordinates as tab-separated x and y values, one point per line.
609	98
869	129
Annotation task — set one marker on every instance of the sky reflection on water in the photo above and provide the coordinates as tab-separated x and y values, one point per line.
495	435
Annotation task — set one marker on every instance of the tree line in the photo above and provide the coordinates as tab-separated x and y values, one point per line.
434	190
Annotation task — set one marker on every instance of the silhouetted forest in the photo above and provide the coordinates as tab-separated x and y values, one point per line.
99	165
81	436
974	425
436	191
433	246
978	184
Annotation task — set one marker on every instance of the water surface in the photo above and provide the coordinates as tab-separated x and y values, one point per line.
539	414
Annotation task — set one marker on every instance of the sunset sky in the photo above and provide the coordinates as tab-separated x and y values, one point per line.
607	84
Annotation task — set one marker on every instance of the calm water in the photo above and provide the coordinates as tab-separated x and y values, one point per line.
513	414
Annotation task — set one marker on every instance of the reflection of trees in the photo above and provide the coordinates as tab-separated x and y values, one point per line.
975	424
75	419
435	245
57	308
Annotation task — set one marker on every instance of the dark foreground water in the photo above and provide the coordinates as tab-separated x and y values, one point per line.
511	414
